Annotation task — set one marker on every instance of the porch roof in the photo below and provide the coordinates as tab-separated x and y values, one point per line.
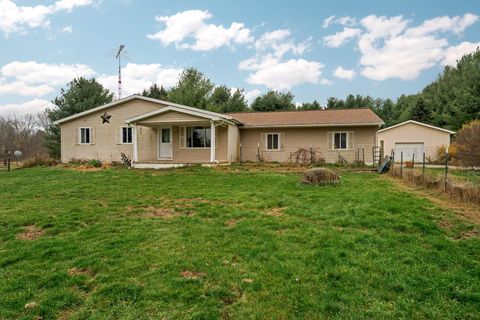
193	114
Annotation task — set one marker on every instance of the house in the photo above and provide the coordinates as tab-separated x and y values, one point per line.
156	133
413	139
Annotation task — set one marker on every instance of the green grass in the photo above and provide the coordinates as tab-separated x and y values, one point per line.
359	250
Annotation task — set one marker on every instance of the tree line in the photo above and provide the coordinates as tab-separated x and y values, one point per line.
450	101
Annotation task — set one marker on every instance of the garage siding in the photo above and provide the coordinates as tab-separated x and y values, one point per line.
414	133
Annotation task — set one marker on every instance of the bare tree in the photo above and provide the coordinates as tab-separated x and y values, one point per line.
21	133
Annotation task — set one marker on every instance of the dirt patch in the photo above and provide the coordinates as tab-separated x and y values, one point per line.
31	232
233	222
164	213
31	305
446	224
275	212
79	272
468	211
469	234
192	275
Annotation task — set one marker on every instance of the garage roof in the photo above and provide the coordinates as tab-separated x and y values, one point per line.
419	123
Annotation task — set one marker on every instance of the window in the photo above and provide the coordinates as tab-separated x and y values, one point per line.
85	136
340	141
127	135
165	135
198	137
273	141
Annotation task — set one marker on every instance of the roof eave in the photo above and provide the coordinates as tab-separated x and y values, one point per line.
326	125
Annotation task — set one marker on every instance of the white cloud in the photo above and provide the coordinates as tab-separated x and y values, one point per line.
14	18
340	38
285	75
30	107
137	77
271	69
328	21
67	29
31	78
346	74
252	94
389	48
191	25
454	53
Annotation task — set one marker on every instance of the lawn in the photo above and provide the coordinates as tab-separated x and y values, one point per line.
201	243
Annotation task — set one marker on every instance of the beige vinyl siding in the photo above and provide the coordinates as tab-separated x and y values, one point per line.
293	138
105	147
172	117
233	143
414	133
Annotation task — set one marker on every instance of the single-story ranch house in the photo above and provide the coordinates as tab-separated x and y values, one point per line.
413	138
156	133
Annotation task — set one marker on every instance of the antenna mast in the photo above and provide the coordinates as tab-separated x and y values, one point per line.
118	56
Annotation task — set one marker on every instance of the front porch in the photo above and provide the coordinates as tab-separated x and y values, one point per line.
170	138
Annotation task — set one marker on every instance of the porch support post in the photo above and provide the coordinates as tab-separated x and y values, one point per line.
212	141
135	143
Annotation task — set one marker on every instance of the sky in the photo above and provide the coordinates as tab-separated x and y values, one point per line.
314	49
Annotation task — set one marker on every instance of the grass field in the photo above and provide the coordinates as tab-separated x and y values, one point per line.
201	243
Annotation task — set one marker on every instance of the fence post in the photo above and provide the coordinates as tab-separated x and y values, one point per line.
363	156
8	161
413	161
423	166
401	164
446	168
240	154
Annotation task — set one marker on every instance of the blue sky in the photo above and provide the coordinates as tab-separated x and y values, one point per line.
314	49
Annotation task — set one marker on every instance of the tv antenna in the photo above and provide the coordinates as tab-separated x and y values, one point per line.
119	56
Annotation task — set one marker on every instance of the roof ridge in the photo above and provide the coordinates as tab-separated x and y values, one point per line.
279	111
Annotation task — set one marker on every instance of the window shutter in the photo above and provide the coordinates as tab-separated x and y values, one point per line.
182	137
330	140
263	141
280	140
92	135
77	135
351	142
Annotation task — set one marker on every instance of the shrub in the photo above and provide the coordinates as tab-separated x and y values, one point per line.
452	153
39	160
467	144
95	163
320	176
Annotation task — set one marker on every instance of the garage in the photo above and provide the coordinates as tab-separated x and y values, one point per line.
413	138
410	151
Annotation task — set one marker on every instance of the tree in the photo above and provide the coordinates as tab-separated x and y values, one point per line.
310	105
156	92
420	112
21	133
467	144
274	101
81	94
222	100
192	89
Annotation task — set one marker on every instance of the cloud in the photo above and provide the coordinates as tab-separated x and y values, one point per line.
14	18
31	78
390	48
30	107
191	25
344	21
67	29
346	74
285	75
327	22
252	94
270	68
452	54
340	38
137	77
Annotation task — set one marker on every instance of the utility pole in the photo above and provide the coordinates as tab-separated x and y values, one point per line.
119	56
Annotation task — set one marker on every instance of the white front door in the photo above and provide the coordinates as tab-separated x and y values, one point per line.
165	143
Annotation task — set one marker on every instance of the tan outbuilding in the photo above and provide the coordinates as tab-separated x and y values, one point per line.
413	139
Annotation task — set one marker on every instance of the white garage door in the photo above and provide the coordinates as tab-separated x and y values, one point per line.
409	149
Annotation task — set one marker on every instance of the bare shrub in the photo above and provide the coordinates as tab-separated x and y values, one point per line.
321	176
39	160
467	144
309	155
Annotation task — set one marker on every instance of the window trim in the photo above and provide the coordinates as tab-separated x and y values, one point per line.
121	135
278	141
346	140
89	136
